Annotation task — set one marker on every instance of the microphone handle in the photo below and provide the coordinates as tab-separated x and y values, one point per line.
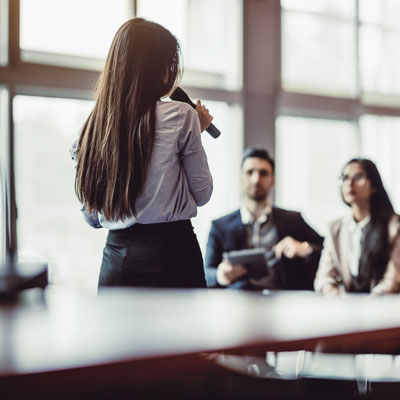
213	131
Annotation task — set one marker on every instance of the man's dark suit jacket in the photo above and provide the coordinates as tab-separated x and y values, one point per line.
228	233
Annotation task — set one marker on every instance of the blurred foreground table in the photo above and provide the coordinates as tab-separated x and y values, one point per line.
138	338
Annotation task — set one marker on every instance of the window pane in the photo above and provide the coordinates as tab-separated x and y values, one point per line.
50	225
211	40
224	155
380	61
310	154
342	8
3	166
318	55
381	143
73	28
385	13
3	32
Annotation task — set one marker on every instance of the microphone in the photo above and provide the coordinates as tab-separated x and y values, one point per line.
180	95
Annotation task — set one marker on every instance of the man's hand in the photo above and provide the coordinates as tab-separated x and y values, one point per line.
228	273
291	248
204	116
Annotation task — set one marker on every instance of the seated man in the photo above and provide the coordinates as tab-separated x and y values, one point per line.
292	247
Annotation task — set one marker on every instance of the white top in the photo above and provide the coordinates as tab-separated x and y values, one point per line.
178	179
355	232
334	265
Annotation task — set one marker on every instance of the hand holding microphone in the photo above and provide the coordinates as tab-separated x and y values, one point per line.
205	118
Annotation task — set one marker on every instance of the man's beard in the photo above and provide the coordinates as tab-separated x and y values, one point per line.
258	197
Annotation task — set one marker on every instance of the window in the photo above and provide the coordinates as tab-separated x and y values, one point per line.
345	49
319	47
210	40
224	155
50	226
380	141
311	154
327	48
379	44
70	33
3	32
335	8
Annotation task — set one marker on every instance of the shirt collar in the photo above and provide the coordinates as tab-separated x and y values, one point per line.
354	225
247	218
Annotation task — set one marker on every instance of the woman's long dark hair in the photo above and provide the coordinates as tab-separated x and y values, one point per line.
375	246
116	141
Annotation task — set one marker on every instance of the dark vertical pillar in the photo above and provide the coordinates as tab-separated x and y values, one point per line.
261	71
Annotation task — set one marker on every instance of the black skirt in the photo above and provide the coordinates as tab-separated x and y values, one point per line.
153	255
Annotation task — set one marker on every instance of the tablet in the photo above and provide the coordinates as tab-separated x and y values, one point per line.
245	256
258	261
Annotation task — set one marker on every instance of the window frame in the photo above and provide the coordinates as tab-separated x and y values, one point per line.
4	174
307	105
318	106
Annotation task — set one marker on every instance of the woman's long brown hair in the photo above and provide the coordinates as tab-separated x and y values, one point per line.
116	142
375	243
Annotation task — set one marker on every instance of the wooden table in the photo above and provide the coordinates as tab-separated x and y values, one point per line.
147	336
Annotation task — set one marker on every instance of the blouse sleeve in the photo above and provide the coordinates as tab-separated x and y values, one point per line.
193	156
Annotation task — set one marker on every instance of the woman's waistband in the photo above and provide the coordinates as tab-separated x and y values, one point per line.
158	227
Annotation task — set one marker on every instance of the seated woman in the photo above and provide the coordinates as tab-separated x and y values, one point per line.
362	250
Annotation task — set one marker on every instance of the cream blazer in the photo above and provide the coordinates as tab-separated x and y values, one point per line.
334	268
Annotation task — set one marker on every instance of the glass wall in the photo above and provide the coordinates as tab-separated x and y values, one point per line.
311	154
379	55
50	225
210	34
224	156
70	33
335	49
3	32
380	141
319	47
328	48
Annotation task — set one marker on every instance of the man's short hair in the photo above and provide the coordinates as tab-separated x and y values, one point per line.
258	152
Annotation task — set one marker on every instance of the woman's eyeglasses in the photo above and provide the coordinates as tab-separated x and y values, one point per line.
358	179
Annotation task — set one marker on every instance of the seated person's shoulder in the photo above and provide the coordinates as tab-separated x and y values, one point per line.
296	226
227	219
335	225
286	213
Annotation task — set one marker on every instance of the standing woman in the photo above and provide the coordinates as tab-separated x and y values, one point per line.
362	250
141	167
